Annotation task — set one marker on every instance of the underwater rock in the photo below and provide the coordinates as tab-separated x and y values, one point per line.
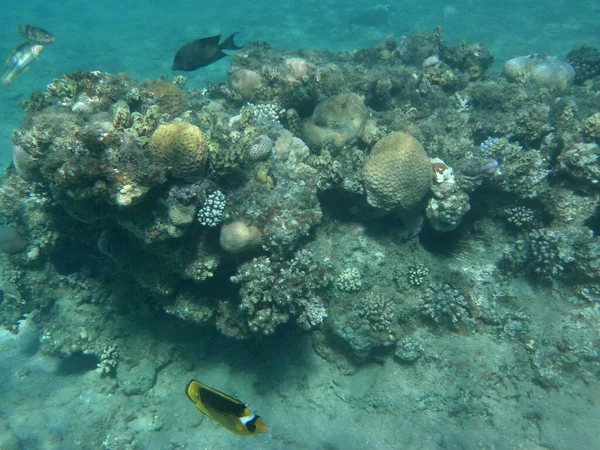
548	71
11	241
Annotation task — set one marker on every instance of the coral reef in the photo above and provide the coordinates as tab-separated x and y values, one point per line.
213	211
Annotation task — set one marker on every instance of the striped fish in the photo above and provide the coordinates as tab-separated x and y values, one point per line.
22	55
35	34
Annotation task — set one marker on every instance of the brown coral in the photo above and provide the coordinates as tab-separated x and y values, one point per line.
182	147
237	237
398	173
170	98
336	121
245	82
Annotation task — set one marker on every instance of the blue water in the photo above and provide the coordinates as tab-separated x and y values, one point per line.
141	37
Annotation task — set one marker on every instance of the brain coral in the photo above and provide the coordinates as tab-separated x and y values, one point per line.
244	82
238	237
398	173
182	147
170	98
337	121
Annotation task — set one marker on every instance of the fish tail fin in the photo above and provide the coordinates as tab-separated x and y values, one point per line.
228	43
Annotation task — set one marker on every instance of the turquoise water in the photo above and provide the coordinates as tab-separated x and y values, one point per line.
480	335
141	37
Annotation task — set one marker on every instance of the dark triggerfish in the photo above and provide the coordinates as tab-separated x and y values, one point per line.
202	52
225	409
36	34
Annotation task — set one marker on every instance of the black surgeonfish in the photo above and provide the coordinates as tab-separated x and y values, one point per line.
225	409
202	52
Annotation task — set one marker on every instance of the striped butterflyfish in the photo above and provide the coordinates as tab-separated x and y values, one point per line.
225	409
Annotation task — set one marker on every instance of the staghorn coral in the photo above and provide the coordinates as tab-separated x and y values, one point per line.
398	173
182	147
335	121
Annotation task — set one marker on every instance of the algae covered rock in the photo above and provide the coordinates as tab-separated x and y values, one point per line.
182	147
335	121
398	173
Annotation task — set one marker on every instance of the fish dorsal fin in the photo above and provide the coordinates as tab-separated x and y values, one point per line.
211	40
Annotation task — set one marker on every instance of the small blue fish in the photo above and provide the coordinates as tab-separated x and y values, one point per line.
22	55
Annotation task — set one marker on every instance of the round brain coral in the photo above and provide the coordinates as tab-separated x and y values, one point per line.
398	173
237	237
170	98
182	147
337	121
244	82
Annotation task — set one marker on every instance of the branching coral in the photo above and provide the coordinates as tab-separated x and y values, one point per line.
274	291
